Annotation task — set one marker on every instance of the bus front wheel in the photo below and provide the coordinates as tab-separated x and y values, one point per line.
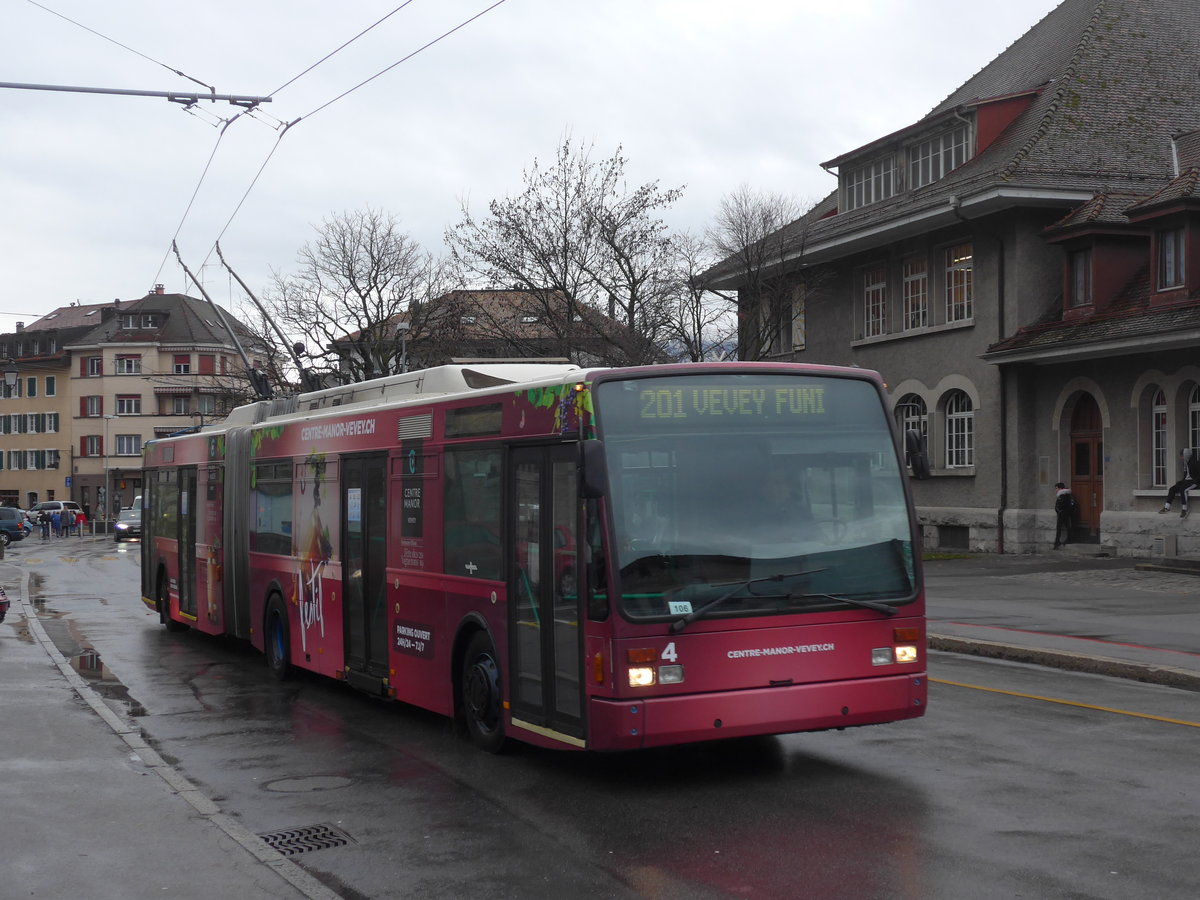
162	600
277	639
480	694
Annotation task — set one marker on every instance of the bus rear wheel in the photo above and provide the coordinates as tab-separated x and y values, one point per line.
480	699
277	639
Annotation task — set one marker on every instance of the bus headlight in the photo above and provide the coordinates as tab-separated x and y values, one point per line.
641	676
882	656
670	674
906	654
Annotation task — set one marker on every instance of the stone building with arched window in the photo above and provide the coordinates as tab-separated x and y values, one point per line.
1023	267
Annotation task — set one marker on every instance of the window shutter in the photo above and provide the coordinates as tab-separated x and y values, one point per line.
83	366
83	446
82	406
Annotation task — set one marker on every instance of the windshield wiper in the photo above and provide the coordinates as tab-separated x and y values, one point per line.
877	605
684	621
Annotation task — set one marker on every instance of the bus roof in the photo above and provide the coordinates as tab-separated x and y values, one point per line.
435	382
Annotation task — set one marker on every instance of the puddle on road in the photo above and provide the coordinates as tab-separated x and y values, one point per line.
64	633
104	681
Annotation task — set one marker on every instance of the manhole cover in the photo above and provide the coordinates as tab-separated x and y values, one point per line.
291	841
307	783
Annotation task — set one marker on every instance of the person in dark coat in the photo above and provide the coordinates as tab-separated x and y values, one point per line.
1191	477
1064	512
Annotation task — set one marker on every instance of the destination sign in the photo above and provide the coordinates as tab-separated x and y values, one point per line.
696	403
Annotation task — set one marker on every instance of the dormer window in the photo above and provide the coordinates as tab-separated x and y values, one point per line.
931	159
870	183
1170	259
908	165
1081	277
138	321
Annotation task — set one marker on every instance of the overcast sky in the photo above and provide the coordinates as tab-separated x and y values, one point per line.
703	94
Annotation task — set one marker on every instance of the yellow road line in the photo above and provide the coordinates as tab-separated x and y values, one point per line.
1107	709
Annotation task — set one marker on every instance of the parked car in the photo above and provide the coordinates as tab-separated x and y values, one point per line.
13	525
49	507
128	524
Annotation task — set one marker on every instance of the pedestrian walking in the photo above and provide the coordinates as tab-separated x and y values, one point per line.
1065	508
1191	477
56	523
44	525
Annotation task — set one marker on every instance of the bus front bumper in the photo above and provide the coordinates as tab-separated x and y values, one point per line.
661	721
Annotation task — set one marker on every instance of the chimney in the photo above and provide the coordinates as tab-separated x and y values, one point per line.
158	289
20	327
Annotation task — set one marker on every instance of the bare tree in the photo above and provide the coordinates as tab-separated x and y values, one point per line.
358	293
701	323
587	246
760	238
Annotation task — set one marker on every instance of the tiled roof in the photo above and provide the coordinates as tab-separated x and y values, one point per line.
1184	187
1120	325
1129	316
185	320
1108	208
74	316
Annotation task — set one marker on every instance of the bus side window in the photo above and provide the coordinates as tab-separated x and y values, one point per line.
471	536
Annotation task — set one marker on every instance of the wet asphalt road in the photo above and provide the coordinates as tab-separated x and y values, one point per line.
993	794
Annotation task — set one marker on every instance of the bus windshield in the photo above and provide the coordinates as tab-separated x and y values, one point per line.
753	494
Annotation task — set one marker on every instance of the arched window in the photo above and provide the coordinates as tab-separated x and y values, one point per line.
911	413
1194	418
960	431
1158	437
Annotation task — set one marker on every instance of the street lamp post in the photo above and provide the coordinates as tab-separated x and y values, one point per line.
402	333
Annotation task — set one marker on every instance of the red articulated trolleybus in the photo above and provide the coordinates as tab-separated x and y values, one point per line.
600	559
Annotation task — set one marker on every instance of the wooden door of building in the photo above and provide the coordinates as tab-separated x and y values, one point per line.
1087	467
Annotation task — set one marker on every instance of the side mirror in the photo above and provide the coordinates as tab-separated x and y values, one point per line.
916	456
593	471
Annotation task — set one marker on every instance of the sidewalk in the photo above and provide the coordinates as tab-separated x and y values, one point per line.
1127	618
91	810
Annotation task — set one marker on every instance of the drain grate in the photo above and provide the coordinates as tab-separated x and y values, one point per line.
292	841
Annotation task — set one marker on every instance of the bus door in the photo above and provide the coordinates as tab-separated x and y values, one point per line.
364	561
543	608
187	541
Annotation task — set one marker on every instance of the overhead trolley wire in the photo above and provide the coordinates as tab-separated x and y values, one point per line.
404	59
286	126
333	53
341	96
123	46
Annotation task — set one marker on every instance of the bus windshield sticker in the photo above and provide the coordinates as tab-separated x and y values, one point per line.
680	607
